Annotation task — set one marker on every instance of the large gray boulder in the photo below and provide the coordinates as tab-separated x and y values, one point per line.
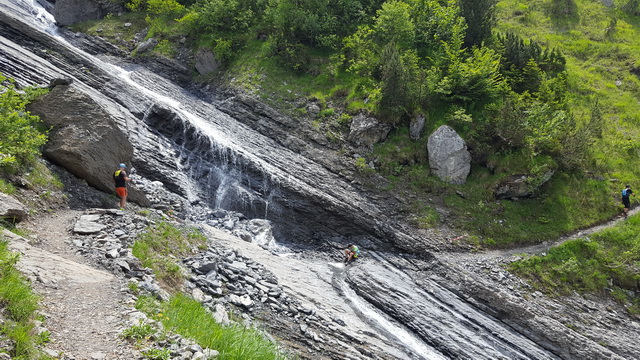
205	61
84	139
11	209
366	131
449	158
67	12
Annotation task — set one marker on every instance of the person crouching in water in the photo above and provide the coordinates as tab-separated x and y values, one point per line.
120	179
351	253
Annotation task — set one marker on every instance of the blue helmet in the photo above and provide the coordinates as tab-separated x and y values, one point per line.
122	165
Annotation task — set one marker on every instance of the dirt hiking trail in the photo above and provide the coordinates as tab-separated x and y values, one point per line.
538	248
84	307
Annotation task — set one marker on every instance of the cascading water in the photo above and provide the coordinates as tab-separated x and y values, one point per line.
208	156
413	344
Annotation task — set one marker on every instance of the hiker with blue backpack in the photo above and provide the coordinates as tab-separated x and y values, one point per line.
626	193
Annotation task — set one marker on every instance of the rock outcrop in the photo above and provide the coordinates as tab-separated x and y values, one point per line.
147	45
67	12
11	209
519	186
205	61
416	127
449	158
85	141
366	130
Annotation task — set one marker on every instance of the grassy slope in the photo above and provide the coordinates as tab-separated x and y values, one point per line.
601	55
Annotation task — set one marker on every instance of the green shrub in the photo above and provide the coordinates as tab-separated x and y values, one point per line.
20	139
157	354
139	332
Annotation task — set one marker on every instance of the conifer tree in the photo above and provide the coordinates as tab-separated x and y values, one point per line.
480	17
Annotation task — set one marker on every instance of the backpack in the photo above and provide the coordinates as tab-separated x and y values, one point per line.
624	192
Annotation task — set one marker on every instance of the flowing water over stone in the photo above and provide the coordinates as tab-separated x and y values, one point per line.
214	161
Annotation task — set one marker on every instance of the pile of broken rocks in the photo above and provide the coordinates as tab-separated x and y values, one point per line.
220	278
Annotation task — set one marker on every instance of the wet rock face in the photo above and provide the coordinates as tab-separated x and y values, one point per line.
67	12
449	158
11	209
86	141
434	315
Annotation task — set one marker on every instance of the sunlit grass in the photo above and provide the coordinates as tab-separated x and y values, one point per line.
162	246
606	264
19	306
188	318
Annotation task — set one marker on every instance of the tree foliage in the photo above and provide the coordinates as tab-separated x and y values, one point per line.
410	57
20	140
480	17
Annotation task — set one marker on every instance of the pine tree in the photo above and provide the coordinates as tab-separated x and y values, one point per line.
394	85
480	18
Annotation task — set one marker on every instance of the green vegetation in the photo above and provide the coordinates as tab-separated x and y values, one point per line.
188	318
20	138
18	305
606	263
139	332
162	246
157	354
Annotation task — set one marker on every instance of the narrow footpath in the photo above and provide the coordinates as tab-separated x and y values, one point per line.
538	248
85	308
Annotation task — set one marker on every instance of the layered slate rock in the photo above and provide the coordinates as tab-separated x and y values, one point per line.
84	139
449	158
11	209
416	127
519	186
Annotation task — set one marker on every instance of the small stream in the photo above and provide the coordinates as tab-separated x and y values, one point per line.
414	346
207	156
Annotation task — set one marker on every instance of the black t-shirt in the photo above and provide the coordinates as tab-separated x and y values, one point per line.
626	193
119	176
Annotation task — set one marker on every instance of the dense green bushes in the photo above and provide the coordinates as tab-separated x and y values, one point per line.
409	58
20	139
